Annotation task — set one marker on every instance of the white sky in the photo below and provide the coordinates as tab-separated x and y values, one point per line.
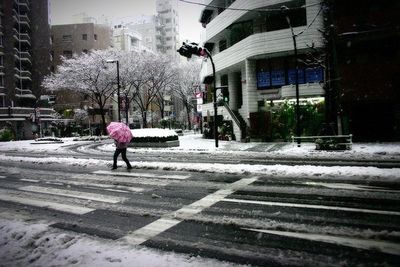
61	12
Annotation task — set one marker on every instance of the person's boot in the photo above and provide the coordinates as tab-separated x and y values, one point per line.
114	167
129	167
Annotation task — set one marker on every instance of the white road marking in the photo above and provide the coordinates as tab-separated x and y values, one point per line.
386	247
120	179
146	175
54	183
30	180
4	196
307	206
352	187
168	221
116	190
3	177
71	193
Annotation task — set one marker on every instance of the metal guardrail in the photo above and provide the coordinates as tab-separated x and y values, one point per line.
345	141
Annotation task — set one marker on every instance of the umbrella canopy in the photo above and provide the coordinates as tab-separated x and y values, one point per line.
119	132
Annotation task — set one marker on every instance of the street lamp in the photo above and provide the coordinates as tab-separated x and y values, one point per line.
284	10
118	87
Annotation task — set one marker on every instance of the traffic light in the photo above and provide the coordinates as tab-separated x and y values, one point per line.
187	50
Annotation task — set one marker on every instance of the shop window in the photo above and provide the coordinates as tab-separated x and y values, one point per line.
275	73
84	36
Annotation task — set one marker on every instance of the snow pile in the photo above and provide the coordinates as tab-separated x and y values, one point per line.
153	132
23	244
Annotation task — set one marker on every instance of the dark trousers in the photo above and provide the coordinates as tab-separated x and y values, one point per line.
121	151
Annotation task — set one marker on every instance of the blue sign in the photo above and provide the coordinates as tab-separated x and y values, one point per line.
278	77
314	75
263	79
292	76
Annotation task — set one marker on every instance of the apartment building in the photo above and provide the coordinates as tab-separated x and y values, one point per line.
70	39
254	53
126	39
167	41
24	61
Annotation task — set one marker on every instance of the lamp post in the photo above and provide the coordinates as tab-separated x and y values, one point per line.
118	88
298	133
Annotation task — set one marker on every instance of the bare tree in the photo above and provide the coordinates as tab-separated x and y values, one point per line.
188	82
87	74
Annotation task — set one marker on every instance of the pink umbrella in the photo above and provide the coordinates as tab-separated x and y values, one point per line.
119	132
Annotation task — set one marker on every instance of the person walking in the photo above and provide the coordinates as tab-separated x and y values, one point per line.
121	148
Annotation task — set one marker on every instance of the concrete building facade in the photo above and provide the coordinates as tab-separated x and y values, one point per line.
253	54
70	39
167	41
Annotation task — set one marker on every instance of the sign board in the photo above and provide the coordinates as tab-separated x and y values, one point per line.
263	79
278	77
292	76
314	75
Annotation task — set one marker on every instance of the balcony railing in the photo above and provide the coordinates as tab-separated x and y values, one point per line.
23	74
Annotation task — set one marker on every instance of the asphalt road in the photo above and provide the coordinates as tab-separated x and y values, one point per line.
258	220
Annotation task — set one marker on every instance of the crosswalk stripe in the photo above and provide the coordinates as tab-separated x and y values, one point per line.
308	206
386	247
30	180
168	221
71	193
145	175
2	177
4	196
352	187
122	179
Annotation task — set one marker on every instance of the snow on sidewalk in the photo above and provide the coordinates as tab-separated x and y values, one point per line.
36	244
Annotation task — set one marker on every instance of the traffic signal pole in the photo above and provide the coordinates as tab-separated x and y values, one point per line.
189	49
215	99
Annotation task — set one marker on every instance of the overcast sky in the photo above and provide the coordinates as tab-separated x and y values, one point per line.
61	12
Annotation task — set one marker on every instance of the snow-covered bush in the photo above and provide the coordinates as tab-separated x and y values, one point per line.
153	135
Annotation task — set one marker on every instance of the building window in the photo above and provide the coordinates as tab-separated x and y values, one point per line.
67	38
222	45
275	20
2	101
240	31
67	53
1	81
95	37
84	36
1	60
278	72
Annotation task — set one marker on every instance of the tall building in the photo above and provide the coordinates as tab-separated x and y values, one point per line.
160	33
168	34
24	61
254	54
